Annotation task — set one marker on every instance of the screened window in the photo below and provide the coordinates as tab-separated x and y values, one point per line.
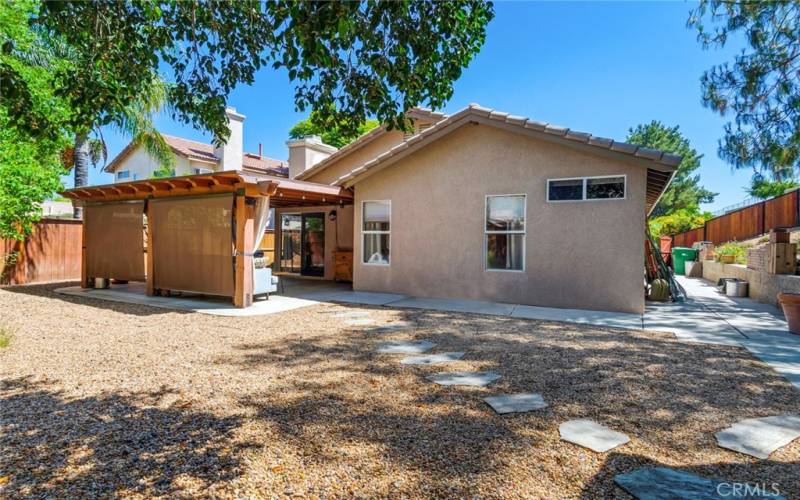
505	232
123	174
586	188
376	232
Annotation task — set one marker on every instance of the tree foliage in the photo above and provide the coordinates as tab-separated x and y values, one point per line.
760	87
30	160
685	191
763	188
348	59
678	221
335	134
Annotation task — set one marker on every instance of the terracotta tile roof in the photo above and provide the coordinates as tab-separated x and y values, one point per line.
660	169
201	151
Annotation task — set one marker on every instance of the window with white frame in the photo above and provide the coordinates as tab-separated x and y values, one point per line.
504	228
198	170
376	224
123	174
586	188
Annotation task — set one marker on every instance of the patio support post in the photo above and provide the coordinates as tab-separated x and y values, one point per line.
151	290
245	224
84	270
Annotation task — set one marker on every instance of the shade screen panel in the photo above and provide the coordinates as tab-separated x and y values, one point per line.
193	244
114	240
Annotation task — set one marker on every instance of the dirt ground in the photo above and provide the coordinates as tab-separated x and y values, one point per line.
107	399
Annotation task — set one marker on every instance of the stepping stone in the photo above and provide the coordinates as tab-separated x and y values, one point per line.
358	322
389	328
590	434
433	359
352	314
759	437
511	403
655	483
479	379
416	347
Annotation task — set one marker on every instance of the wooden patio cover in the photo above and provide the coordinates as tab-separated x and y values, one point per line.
244	188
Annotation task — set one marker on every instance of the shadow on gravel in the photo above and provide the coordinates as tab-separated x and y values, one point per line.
47	290
51	446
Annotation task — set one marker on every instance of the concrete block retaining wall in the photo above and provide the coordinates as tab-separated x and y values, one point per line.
764	287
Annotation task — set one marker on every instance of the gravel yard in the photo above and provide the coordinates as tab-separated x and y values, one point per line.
102	398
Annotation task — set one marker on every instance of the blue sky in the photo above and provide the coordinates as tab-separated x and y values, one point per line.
593	67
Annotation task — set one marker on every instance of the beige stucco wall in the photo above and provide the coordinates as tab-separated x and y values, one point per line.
578	254
141	166
335	170
338	234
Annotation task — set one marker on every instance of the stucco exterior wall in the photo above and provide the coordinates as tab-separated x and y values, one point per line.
141	166
338	234
332	172
585	255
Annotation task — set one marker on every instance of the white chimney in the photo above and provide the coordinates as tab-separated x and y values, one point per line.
306	152
230	153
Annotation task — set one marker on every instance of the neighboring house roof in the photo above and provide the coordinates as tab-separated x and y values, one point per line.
199	151
423	114
660	165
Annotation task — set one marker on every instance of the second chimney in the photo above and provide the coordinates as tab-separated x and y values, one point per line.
307	152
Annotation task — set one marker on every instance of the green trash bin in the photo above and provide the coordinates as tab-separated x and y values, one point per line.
680	256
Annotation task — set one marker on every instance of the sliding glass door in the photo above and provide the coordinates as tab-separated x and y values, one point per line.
303	244
290	243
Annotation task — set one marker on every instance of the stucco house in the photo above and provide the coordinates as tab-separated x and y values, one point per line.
476	205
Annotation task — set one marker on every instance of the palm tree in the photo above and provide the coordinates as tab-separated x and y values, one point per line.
136	121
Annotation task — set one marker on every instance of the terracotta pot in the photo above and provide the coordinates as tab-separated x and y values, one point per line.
790	303
727	259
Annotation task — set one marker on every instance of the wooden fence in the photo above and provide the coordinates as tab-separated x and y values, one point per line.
51	253
747	222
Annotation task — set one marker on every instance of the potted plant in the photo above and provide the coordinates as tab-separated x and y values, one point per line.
790	303
730	253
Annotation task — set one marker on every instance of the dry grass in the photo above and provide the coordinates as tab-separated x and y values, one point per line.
99	398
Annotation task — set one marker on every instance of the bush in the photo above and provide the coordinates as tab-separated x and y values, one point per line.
5	337
678	222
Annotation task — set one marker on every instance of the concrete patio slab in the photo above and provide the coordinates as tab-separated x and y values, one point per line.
591	435
656	483
516	403
454	305
134	294
433	359
759	437
599	318
398	347
478	379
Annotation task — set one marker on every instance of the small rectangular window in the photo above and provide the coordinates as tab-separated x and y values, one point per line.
586	188
568	189
198	171
123	174
601	188
505	232
376	232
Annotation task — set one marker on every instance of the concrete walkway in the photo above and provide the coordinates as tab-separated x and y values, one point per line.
710	317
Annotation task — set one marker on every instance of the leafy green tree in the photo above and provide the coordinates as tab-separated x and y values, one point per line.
334	134
349	59
685	191
678	221
763	188
30	149
760	87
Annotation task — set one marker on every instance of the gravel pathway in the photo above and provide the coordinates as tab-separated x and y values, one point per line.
109	399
